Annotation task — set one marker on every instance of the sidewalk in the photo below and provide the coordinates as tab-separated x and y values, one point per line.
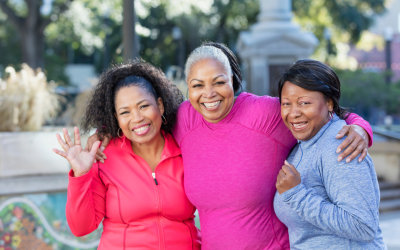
390	225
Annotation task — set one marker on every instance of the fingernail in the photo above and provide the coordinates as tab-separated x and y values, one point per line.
286	163
105	157
347	160
95	161
340	159
338	150
102	161
337	135
102	148
359	160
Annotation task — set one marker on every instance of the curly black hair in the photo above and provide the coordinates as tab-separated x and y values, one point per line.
101	108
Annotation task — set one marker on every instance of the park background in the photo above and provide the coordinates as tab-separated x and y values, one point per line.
52	52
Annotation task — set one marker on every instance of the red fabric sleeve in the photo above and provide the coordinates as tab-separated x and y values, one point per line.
354	119
86	200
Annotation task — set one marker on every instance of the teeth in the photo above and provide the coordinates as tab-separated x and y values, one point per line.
141	129
299	125
212	104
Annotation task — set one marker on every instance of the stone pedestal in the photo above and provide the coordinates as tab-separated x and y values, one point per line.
271	45
28	164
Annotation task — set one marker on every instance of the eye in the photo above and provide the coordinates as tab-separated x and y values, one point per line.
285	104
220	83
304	103
144	106
197	85
123	113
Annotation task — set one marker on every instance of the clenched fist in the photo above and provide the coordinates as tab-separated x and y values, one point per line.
288	178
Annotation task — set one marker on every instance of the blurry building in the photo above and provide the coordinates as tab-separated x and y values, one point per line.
388	27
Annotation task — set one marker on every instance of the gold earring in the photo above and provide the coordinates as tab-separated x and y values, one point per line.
164	120
118	133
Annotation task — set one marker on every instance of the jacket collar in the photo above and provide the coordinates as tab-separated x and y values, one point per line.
315	138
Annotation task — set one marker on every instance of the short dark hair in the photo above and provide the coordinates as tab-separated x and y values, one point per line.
101	108
315	76
233	62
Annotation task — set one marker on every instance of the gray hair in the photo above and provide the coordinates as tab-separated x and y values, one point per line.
207	52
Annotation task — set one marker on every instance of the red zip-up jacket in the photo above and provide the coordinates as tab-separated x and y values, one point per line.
141	209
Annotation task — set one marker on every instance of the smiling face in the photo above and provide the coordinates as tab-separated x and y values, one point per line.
138	114
210	90
304	111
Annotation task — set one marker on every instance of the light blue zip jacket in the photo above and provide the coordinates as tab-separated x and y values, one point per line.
336	204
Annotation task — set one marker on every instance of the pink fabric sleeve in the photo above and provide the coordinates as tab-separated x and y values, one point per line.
86	200
265	117
354	119
186	120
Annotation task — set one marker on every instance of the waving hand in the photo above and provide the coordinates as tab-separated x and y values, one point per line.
81	160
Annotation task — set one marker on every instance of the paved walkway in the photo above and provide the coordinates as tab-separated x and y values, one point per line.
390	225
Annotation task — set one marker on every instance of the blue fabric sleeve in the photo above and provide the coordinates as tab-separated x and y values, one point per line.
350	211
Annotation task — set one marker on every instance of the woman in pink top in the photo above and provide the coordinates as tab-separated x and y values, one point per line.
232	149
138	192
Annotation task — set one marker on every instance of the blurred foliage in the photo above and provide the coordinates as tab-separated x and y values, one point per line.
365	91
348	17
345	20
10	50
79	34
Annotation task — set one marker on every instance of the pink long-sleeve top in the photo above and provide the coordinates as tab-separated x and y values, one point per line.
231	169
138	213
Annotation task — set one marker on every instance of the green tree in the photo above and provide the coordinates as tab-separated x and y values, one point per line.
30	24
366	90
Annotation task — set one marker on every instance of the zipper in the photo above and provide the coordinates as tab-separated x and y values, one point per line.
301	157
160	230
154	177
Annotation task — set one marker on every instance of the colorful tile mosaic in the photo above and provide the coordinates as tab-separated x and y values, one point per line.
38	222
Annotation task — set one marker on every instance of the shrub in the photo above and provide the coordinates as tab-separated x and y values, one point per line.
365	91
26	100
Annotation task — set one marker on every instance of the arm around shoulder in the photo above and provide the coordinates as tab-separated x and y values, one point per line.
186	119
354	119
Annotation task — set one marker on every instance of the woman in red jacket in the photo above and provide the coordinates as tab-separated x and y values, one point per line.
139	190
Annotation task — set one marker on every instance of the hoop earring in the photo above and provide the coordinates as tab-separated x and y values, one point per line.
330	113
118	134
164	120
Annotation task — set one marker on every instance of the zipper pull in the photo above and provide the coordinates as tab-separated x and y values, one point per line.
154	177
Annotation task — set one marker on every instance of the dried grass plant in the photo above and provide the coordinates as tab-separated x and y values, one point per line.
27	100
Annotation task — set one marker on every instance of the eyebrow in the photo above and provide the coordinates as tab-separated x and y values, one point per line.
203	81
138	103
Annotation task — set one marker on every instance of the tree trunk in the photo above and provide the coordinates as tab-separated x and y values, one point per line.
31	30
32	42
130	40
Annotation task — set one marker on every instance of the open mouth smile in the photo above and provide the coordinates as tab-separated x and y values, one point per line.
299	126
211	105
141	130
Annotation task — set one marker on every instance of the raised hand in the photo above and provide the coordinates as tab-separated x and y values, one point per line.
81	160
288	178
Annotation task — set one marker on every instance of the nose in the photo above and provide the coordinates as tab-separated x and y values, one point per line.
209	91
294	112
136	116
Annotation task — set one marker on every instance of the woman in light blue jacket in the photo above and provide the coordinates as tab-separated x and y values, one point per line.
325	204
